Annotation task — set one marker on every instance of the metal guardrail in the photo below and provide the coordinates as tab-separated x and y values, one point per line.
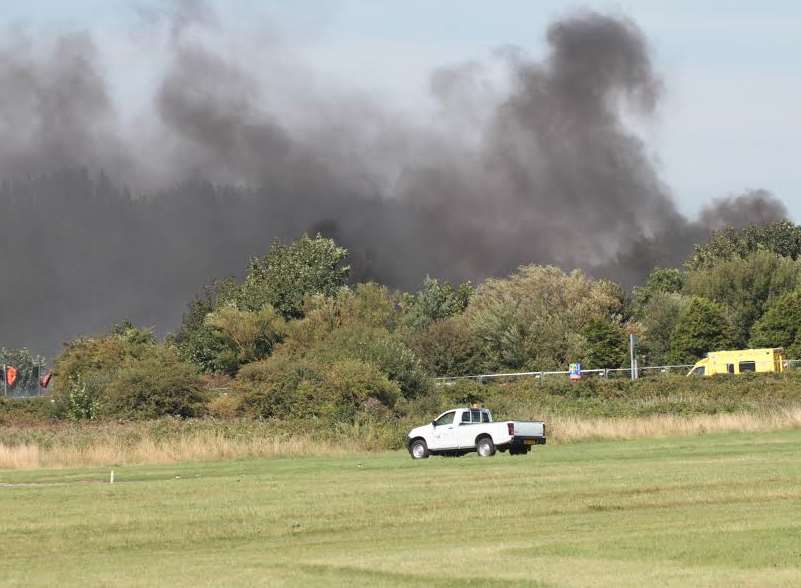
792	364
602	372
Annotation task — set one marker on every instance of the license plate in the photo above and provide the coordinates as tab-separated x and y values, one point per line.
528	441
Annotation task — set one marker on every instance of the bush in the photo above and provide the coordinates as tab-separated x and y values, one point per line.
156	386
224	406
21	411
99	358
81	399
448	348
210	350
357	386
280	387
384	350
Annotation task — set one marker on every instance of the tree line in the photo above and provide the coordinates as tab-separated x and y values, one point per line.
295	338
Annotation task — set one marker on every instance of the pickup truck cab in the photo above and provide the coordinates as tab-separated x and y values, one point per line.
462	430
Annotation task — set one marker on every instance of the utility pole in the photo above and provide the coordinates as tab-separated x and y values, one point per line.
633	340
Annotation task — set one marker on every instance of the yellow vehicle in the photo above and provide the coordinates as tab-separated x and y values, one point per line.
740	362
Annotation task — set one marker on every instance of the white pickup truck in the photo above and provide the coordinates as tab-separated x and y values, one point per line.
462	430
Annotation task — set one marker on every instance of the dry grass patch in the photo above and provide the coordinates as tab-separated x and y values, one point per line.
201	447
170	441
569	429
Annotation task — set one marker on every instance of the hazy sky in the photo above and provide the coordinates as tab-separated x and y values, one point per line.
729	121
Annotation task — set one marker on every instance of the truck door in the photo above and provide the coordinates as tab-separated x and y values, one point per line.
467	429
464	432
444	433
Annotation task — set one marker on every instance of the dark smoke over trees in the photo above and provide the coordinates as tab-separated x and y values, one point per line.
107	217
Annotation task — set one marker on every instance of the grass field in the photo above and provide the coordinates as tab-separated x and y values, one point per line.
714	510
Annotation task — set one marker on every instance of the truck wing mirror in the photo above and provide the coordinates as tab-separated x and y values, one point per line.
433	423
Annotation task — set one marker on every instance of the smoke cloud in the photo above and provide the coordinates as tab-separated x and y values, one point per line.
107	216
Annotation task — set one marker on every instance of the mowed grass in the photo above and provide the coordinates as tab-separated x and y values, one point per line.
715	510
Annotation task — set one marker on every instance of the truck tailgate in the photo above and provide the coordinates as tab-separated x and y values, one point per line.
529	428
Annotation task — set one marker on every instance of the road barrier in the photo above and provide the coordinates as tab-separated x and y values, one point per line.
642	372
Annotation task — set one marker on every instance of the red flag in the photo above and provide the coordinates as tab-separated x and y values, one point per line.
11	375
45	380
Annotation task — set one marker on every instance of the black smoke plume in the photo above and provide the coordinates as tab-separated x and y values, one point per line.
106	217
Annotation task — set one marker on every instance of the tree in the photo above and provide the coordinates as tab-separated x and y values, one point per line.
782	238
745	286
289	273
658	319
780	326
211	296
606	344
96	360
437	301
448	348
535	318
701	328
253	334
660	281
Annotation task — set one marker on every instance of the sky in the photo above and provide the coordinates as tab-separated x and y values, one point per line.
728	122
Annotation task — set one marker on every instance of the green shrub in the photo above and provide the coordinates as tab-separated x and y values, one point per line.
354	386
448	348
156	386
101	357
82	400
210	350
21	411
384	350
280	387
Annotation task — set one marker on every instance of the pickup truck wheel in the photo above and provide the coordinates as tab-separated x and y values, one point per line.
419	449
485	447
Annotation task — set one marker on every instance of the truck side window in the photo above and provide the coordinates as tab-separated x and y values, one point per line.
476	414
485	416
446	419
730	368
698	371
465	417
747	366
